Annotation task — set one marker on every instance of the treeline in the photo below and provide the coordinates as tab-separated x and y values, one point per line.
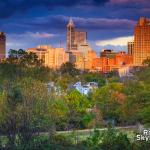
27	108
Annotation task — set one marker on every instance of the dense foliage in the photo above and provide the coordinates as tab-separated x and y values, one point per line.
28	109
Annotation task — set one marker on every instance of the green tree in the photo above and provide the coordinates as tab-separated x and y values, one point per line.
68	68
93	77
136	105
78	105
109	99
23	58
58	111
24	110
108	140
146	62
64	81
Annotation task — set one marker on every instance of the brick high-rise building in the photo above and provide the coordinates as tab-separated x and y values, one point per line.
74	37
107	53
2	45
110	62
141	41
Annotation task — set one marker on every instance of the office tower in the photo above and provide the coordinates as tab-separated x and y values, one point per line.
74	37
80	37
51	57
79	51
130	48
71	36
141	41
111	60
2	45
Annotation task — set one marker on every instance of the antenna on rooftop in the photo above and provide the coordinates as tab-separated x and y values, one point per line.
60	44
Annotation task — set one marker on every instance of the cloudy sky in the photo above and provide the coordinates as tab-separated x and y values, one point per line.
109	23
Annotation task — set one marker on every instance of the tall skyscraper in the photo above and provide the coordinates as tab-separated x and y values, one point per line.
80	37
141	41
2	45
130	48
70	35
74	37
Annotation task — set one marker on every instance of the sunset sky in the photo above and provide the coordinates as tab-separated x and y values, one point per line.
109	23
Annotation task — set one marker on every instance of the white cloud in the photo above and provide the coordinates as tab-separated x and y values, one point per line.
41	35
14	44
32	35
28	39
120	41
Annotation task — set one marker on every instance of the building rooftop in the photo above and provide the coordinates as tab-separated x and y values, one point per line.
71	23
2	34
143	21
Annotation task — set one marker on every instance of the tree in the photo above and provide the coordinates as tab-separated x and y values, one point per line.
146	62
23	58
23	113
64	81
135	108
144	75
68	68
78	105
93	77
109	99
108	140
58	111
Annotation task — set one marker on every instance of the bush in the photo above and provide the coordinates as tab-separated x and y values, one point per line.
108	140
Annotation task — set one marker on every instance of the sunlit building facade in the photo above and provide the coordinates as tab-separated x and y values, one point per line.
141	41
107	53
82	61
79	51
51	57
106	63
74	37
130	48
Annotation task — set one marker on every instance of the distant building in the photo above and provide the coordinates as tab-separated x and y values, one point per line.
111	62
80	37
75	37
86	88
107	53
79	51
84	48
130	48
52	57
82	60
71	36
141	41
2	45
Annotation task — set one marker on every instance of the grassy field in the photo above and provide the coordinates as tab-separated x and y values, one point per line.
76	135
81	135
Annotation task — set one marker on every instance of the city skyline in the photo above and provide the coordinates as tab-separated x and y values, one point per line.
28	24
